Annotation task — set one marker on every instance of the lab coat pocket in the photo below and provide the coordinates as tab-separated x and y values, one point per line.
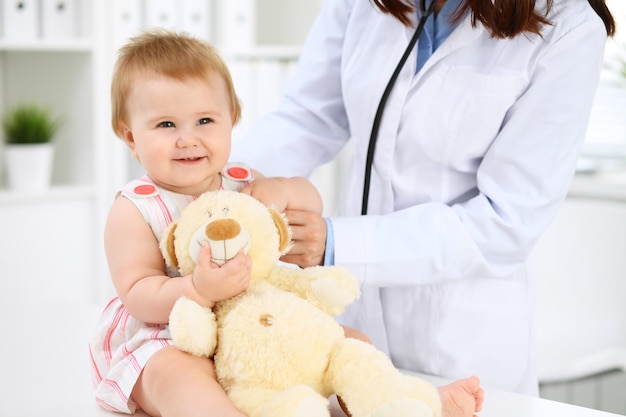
483	100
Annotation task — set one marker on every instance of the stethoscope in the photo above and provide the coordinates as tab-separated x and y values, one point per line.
383	100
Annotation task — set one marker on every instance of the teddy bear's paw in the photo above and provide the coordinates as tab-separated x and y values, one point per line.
298	401
193	327
312	407
334	294
405	407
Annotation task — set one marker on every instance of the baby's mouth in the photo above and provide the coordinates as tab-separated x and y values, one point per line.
191	159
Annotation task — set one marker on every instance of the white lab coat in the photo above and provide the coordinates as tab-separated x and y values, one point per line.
474	158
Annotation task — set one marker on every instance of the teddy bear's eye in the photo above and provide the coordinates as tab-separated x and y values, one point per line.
209	214
225	211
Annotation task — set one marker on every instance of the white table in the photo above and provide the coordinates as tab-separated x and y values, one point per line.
44	369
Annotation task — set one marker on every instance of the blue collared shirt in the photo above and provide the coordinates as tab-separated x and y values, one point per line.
329	255
436	31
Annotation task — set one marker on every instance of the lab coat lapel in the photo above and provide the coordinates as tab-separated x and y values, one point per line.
381	191
461	36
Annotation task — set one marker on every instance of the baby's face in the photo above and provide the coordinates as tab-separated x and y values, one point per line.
180	131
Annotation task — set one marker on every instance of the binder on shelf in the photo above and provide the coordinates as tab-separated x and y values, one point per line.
161	13
20	19
196	16
58	19
127	21
236	23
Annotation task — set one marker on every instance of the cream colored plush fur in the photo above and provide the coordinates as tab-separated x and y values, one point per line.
277	350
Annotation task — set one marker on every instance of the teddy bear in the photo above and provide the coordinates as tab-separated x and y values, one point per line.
277	349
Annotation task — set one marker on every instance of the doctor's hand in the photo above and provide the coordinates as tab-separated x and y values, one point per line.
308	236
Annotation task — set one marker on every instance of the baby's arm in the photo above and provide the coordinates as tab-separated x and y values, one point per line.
138	269
281	193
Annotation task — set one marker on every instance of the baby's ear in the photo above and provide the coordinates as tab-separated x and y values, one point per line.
167	246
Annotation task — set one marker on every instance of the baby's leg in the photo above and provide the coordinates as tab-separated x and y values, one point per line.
462	398
177	384
356	334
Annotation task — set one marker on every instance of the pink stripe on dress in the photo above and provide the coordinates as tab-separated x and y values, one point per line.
106	344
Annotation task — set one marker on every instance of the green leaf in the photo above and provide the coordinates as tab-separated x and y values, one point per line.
29	123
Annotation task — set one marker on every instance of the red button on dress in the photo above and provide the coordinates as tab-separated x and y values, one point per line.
144	189
238	173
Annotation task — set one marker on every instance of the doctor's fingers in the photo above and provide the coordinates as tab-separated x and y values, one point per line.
304	260
307	227
308	236
305	252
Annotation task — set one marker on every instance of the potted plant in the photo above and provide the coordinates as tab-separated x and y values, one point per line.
28	133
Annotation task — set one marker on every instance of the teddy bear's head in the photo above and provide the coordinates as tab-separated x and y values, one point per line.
227	221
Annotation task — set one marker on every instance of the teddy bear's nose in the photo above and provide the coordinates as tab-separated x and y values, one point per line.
222	229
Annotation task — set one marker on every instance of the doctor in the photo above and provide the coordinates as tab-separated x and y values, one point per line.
475	151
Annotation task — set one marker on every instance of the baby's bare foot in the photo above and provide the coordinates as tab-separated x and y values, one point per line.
462	398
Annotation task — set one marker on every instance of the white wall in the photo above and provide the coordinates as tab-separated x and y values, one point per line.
606	135
285	22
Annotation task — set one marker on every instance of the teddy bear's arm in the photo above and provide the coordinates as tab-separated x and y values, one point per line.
330	288
193	327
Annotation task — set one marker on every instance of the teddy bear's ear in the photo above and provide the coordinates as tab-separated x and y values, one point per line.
284	233
167	246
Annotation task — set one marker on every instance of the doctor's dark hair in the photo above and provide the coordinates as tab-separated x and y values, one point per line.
503	18
174	55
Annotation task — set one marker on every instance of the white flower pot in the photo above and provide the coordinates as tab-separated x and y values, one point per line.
29	167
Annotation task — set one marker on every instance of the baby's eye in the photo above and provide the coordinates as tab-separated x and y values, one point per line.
204	121
166	124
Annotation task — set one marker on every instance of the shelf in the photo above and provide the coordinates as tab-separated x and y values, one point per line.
605	150
269	52
609	186
55	193
65	45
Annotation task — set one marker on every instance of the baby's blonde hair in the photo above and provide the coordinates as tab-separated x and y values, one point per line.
175	55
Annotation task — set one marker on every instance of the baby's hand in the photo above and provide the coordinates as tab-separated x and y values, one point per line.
270	191
215	283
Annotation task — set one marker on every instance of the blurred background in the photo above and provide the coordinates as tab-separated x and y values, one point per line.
59	54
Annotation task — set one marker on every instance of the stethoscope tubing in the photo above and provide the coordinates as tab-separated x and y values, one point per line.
383	101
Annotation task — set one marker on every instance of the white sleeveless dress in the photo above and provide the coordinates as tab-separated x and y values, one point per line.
123	345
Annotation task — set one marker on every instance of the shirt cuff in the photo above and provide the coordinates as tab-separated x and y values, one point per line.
329	254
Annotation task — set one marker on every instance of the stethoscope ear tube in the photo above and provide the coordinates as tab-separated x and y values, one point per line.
383	100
